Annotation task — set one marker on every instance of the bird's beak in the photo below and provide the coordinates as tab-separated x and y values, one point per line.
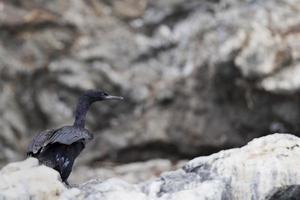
109	97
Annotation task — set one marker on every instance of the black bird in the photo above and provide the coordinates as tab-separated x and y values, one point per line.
58	148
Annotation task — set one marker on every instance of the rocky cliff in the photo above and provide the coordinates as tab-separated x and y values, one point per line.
198	76
267	168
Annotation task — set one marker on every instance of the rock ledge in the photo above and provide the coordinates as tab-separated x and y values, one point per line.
266	168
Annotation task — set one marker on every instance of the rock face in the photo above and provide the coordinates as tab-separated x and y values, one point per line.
266	168
291	192
28	180
133	172
198	76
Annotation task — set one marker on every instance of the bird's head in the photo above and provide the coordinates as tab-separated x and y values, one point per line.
94	95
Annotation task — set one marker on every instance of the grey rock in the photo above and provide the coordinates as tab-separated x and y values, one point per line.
250	172
284	82
129	8
132	173
264	54
198	76
266	168
291	192
254	171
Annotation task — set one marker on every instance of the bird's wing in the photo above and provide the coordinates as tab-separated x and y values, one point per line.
39	141
68	135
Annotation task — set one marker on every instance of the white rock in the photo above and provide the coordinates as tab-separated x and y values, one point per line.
28	180
251	172
284	82
255	171
264	53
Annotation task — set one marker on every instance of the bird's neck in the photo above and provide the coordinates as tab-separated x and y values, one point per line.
81	110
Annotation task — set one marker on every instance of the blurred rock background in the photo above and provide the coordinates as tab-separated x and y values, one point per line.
198	76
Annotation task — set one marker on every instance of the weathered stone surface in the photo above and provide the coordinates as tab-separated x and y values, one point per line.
28	180
286	81
133	172
254	171
198	76
291	192
266	168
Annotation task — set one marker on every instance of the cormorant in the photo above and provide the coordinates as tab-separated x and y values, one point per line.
58	148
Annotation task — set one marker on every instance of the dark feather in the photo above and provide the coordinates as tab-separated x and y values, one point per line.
39	141
70	134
